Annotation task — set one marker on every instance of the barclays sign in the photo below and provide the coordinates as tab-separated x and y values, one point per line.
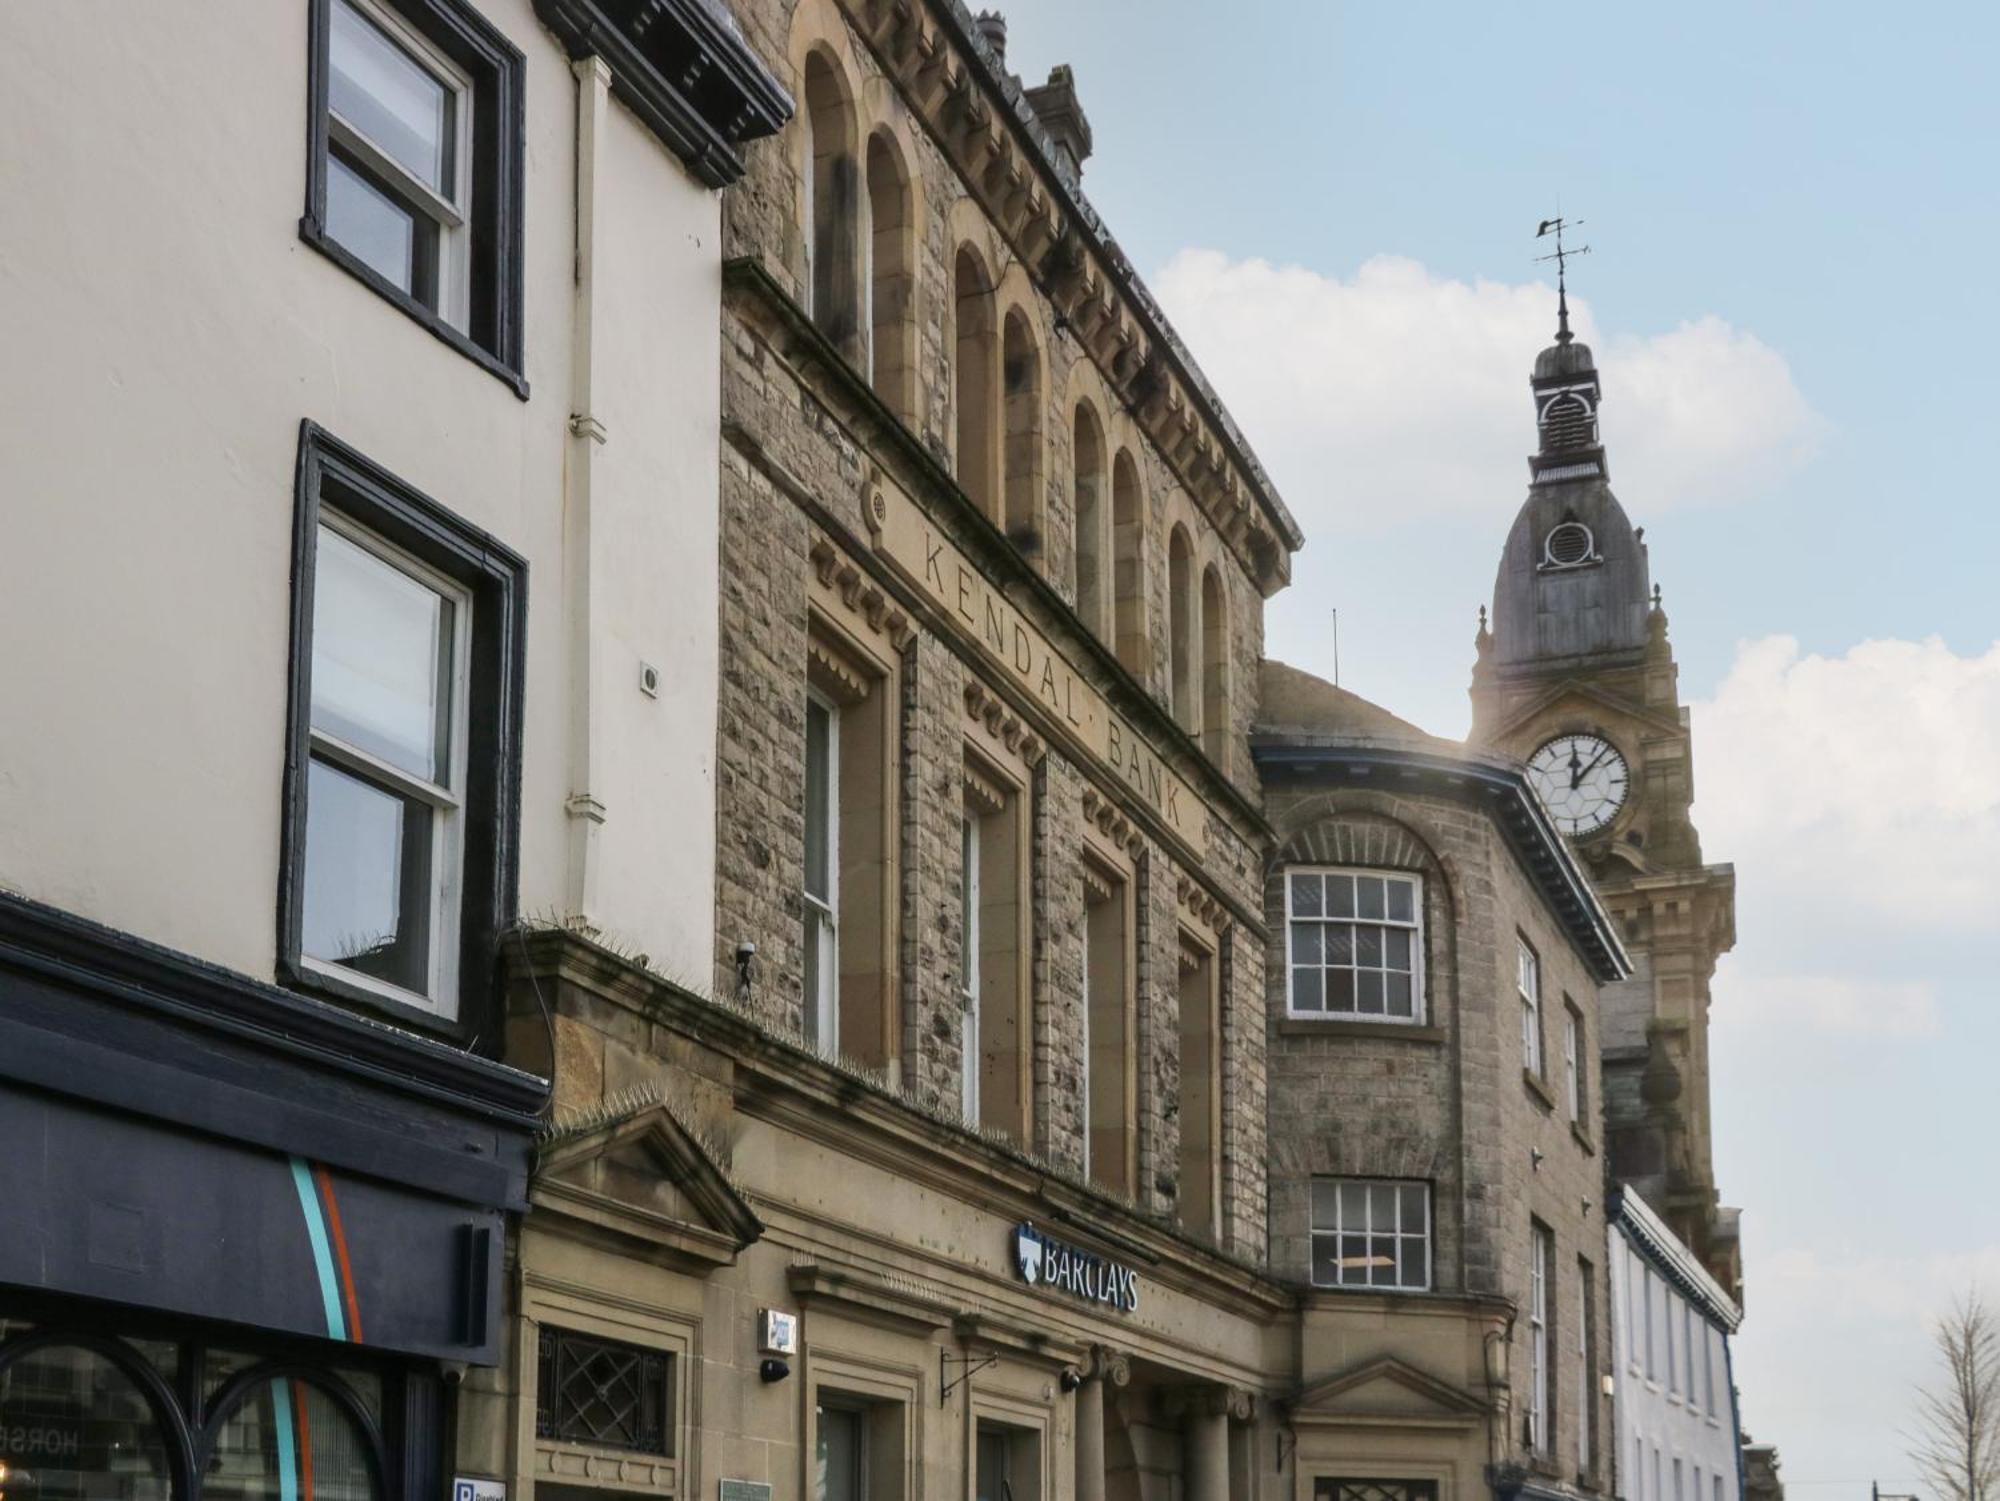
1044	1261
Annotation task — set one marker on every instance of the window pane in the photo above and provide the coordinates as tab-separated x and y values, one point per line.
1413	1272
1340	990
368	878
374	226
1340	896
813	947
1354	1206
1396	948
1305	896
1382	1206
381	659
1402	901
1368	992
1368	896
1339	943
1325	1260
1307	991
286	1434
819	799
1354	1258
1416	1213
1400	1001
1306	948
104	1441
1368	947
1325	1196
384	93
1382	1261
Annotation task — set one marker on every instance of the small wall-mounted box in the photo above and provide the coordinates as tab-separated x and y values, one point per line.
777	1332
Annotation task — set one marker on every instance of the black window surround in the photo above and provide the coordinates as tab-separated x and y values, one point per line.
493	337
333	476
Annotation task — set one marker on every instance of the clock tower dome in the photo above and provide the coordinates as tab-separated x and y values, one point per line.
1575	677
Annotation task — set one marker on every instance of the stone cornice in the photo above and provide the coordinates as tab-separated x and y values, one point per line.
780	1080
1488	782
986	126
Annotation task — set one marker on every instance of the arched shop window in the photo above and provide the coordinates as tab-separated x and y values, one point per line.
88	1417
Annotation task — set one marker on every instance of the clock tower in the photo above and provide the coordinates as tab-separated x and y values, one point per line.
1576	678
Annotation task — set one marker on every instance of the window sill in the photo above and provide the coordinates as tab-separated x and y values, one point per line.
1539	1089
1308	1026
308	980
1583	1139
314	235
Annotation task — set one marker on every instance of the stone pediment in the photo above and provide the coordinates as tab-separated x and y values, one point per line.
1577	688
637	1176
1386	1389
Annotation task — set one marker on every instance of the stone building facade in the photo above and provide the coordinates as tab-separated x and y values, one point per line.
1577	678
970	1092
1434	968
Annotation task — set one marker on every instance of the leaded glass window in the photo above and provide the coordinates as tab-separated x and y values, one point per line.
598	1391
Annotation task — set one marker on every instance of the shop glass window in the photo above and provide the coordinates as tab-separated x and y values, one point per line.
1371	1233
75	1426
600	1391
285	1438
1354	944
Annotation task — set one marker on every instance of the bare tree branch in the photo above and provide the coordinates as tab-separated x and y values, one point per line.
1956	1442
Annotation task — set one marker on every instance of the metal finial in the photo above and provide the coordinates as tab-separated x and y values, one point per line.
1656	596
1482	617
1556	226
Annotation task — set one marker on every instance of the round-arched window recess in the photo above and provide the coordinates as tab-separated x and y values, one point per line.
1568	546
74	1422
284	1435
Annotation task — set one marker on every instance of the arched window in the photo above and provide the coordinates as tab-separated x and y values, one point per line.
892	289
1093	583
1128	579
976	350
1021	385
832	208
1214	667
1183	652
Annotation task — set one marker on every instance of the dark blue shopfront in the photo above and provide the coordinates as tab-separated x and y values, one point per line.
247	1240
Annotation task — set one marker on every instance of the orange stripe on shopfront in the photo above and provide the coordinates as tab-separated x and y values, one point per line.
305	1441
340	1253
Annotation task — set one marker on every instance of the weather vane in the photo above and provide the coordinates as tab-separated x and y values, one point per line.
1555	227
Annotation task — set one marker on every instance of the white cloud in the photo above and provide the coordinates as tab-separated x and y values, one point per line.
1842	1005
1398	393
1858	788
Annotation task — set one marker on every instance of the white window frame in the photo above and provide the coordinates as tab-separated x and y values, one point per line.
1572	1063
1652	1359
1415	928
1584	1396
1688	1325
1708	1337
1538	1338
450	216
969	979
823	914
446	799
1427	1236
1528	982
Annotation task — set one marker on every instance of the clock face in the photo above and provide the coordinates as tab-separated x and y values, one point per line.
1583	780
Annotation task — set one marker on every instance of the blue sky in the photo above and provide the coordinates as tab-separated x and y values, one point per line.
1793	301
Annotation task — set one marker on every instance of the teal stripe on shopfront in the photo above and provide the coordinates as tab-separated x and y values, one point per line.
329	1287
288	1464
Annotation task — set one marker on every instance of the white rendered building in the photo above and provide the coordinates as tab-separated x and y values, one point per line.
1675	1408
